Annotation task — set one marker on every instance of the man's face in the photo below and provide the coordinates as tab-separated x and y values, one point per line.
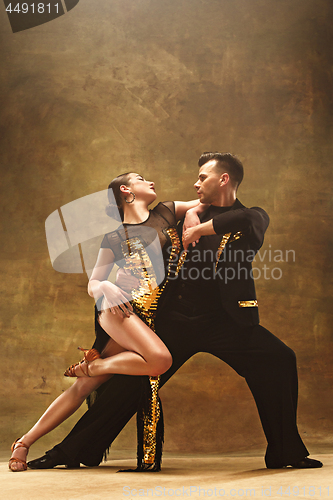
208	183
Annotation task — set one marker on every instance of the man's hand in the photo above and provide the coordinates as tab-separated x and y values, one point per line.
126	280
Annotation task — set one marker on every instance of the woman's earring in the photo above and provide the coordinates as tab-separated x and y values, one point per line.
131	199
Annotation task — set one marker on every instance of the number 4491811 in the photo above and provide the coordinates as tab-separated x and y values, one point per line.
38	8
308	491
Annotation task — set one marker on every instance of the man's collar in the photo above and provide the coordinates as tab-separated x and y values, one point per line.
237	204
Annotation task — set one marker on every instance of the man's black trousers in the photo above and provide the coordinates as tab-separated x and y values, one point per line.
266	363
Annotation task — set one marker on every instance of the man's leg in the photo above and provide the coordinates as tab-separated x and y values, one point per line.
92	435
100	425
116	404
269	367
273	381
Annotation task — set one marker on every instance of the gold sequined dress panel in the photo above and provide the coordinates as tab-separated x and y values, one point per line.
150	252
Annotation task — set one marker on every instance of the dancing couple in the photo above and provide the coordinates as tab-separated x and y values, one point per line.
152	330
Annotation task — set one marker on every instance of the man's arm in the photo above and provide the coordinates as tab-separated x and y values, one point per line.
252	221
193	234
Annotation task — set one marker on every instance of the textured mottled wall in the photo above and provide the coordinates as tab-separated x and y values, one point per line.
147	85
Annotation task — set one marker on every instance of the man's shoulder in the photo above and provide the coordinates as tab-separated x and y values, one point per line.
237	204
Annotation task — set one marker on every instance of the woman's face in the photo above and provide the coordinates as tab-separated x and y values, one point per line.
142	189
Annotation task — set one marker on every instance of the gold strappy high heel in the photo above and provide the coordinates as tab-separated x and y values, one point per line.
17	444
89	355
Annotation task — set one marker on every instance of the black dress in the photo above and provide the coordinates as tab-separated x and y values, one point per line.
150	251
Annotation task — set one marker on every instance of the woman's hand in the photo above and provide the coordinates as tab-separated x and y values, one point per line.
191	235
116	299
191	221
194	233
126	281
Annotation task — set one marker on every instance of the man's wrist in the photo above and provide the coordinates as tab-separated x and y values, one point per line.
206	228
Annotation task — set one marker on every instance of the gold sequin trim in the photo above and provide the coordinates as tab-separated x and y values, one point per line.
226	238
181	262
145	300
224	241
145	297
175	250
248	303
236	236
150	421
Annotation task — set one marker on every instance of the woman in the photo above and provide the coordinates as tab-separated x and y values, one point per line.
127	341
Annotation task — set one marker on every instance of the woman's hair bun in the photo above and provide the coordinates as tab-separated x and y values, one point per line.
112	210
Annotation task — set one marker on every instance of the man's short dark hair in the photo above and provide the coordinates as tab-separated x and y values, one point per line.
227	162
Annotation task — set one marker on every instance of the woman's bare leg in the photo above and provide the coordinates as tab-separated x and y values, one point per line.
63	407
145	353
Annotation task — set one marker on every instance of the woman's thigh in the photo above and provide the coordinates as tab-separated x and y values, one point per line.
132	334
112	348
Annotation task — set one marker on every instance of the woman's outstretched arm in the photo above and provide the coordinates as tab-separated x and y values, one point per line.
182	207
116	299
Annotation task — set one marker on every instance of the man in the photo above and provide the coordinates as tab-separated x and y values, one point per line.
212	308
